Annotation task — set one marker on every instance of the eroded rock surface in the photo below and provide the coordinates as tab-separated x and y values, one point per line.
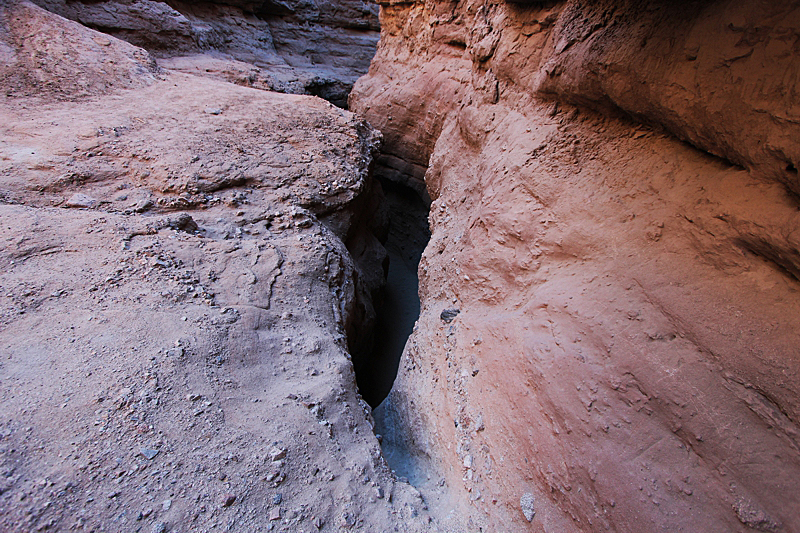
184	265
293	46
45	55
610	315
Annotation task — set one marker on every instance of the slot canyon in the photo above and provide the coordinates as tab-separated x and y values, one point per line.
407	265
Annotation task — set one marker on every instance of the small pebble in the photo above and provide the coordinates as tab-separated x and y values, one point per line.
348	520
148	453
448	315
276	454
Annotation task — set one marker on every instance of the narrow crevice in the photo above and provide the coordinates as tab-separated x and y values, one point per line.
784	260
398	307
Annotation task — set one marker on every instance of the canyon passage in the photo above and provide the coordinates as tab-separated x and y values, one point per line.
457	266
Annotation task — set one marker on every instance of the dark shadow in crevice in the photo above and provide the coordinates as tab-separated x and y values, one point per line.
399	306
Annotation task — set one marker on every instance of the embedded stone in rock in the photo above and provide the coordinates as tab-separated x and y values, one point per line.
184	222
526	504
80	200
276	454
449	314
149	453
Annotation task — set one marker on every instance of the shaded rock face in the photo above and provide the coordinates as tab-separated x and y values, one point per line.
295	47
610	305
186	266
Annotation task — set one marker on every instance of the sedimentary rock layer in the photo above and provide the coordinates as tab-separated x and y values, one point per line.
293	46
610	313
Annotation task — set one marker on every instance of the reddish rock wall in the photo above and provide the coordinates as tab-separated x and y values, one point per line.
625	351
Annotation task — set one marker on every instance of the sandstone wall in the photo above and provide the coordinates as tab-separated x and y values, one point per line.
615	218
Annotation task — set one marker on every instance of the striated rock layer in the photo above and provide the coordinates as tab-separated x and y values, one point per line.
610	298
186	266
291	46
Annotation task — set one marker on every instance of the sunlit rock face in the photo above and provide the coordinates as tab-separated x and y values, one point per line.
615	218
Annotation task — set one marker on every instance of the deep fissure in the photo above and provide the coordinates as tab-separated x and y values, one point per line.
398	307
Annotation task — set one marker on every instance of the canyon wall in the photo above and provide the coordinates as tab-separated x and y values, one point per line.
291	46
610	306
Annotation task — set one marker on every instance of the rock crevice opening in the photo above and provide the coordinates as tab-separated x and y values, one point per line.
397	307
